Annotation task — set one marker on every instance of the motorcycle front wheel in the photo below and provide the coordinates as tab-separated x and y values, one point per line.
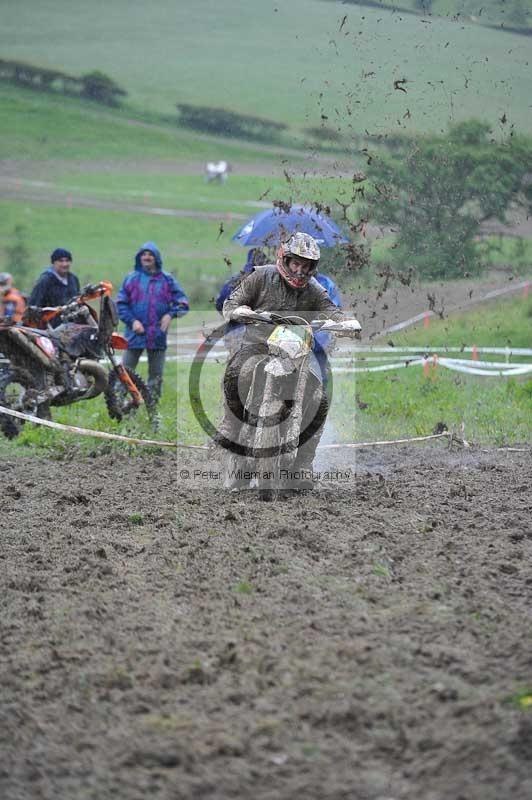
119	401
268	440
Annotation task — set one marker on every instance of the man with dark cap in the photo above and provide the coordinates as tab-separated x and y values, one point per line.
56	286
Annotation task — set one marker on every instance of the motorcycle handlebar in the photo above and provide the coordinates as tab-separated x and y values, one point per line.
271	318
89	292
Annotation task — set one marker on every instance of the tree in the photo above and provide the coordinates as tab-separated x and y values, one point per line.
439	191
100	87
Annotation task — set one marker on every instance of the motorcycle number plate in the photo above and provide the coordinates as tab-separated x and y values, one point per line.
45	345
293	341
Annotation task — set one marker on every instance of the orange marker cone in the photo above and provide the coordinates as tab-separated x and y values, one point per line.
474	354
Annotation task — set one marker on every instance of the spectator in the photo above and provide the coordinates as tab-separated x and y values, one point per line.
148	300
235	332
330	287
57	285
325	340
255	258
12	303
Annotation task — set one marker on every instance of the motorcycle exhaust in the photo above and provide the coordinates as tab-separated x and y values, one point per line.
97	373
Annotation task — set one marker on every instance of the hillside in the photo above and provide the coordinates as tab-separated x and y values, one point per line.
513	15
293	62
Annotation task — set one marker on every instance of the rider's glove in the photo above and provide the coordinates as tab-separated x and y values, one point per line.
345	327
240	313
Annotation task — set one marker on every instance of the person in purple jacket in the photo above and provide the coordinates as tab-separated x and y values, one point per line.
148	300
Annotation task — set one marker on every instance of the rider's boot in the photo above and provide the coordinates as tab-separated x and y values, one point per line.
303	476
232	453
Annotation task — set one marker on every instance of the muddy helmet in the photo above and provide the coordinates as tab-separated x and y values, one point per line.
300	245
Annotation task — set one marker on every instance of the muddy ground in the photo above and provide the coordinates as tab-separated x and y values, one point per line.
163	638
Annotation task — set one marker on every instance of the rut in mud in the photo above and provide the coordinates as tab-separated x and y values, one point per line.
169	641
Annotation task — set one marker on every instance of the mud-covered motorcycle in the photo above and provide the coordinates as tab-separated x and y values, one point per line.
60	365
279	411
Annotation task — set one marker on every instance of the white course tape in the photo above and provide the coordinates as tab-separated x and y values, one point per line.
486	369
156	443
382	368
508	371
48	423
452	438
439	348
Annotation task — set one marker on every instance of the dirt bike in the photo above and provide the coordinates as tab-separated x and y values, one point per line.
59	366
278	412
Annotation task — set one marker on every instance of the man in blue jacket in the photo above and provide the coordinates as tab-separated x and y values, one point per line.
148	300
57	285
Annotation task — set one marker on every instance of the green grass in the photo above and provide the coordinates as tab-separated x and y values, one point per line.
45	126
104	243
501	323
522	699
493	12
505	250
240	194
285	61
93	415
398	404
406	403
469	12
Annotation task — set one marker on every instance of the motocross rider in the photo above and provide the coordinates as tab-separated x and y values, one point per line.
288	288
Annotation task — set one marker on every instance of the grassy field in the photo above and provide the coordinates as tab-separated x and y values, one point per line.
289	62
93	415
492	12
241	194
396	405
44	126
501	323
104	243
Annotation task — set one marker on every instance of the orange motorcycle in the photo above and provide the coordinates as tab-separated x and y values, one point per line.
56	366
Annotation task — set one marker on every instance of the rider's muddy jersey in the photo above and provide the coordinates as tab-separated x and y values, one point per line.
265	290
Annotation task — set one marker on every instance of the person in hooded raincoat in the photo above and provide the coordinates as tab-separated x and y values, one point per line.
148	300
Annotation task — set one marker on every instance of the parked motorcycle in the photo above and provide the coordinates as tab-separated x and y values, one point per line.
59	366
278	409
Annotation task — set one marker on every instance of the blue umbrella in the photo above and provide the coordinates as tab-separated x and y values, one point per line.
271	227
